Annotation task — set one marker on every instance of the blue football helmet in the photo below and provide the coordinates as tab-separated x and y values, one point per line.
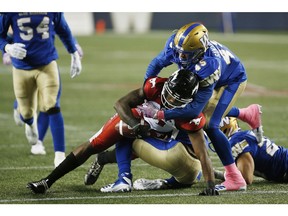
190	43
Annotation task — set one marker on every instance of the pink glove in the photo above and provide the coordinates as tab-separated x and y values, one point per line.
6	59
150	111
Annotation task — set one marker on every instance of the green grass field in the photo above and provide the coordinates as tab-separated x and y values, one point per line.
112	66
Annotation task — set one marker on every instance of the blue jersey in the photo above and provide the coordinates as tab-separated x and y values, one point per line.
271	161
37	31
219	67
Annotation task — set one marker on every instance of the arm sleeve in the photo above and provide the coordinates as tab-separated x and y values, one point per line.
193	109
63	31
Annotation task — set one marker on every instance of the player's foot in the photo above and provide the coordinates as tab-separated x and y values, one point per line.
123	184
31	133
233	182
147	184
59	157
17	119
93	172
38	148
38	187
252	116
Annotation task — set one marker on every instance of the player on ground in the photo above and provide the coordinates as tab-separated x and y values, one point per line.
108	135
265	159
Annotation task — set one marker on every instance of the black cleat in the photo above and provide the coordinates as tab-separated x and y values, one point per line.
38	187
93	172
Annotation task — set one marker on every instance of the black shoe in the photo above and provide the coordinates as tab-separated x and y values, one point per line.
38	187
93	172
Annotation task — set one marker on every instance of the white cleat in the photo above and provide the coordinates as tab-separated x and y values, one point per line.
123	184
147	184
38	148
59	158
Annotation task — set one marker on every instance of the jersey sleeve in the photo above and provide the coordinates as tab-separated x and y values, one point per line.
191	125
63	31
4	26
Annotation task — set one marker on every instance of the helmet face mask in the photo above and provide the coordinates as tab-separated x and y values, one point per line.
179	89
190	43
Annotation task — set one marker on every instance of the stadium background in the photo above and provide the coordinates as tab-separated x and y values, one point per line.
114	63
143	22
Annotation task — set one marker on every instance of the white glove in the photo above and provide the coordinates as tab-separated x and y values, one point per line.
16	50
6	59
76	65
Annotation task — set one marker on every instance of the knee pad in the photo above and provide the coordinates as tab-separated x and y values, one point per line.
53	110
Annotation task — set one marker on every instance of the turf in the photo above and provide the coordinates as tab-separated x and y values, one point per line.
112	66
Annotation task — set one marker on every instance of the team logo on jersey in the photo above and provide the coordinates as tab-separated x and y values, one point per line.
196	121
153	82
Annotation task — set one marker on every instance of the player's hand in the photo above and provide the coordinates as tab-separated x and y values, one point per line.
6	59
142	130
209	192
79	50
76	65
148	110
16	50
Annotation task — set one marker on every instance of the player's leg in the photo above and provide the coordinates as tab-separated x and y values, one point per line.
25	90
97	166
49	87
123	156
42	120
252	116
100	141
175	158
72	161
16	114
218	106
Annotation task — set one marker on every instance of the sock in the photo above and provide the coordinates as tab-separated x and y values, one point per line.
234	112
107	157
42	124
123	155
69	164
221	145
57	129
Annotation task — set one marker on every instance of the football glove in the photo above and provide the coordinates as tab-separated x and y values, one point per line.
148	110
16	50
6	59
209	192
141	130
76	65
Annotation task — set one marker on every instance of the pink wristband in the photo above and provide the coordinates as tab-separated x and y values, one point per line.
160	114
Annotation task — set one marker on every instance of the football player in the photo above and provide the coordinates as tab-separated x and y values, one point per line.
108	135
35	69
42	118
222	79
265	159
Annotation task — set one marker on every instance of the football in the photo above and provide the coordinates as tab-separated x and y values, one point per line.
125	130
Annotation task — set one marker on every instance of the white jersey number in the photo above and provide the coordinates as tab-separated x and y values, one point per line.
27	32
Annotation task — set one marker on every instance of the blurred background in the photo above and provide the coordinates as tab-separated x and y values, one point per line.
143	22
